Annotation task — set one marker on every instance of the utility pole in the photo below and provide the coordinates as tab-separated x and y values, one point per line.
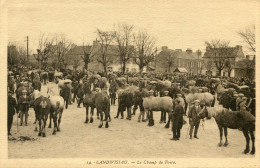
27	49
198	64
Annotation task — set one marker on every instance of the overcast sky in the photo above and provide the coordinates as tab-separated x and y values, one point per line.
176	24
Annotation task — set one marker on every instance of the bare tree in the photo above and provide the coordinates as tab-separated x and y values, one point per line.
219	52
12	54
145	49
76	64
248	36
105	38
45	49
89	54
61	47
124	40
230	65
22	52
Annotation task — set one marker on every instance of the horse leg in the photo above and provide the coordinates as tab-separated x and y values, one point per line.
245	132
36	126
168	122
86	121
106	116
40	127
101	119
44	125
59	121
253	141
91	114
50	120
55	124
220	134
225	132
151	121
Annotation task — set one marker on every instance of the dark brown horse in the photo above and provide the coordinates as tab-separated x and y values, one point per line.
88	100
235	120
102	104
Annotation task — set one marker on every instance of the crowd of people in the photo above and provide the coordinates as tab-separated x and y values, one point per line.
22	82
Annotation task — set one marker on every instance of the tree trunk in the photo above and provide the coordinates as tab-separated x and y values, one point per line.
229	73
169	68
86	66
219	71
124	67
141	68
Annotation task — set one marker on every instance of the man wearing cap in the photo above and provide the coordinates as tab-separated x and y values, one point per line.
239	100
194	120
233	102
177	120
23	104
243	104
65	93
12	107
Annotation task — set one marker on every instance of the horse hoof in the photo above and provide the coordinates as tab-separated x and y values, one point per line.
86	121
166	126
107	125
91	120
252	152
43	135
100	126
39	134
226	144
246	151
58	130
220	144
54	133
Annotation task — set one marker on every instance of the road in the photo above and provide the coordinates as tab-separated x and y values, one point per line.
124	139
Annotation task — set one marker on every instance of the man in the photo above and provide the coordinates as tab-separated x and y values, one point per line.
194	120
177	120
233	102
243	104
80	94
113	90
65	93
24	107
12	107
239	100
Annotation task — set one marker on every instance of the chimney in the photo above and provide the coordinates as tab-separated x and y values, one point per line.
189	51
164	48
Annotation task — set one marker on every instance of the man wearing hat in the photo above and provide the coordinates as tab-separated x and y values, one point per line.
239	100
194	120
23	104
65	93
12	107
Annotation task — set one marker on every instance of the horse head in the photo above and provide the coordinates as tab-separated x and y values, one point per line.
204	113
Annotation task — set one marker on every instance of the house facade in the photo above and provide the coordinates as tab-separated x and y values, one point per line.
168	60
221	56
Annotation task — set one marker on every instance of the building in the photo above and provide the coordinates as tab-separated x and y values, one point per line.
245	68
168	60
222	56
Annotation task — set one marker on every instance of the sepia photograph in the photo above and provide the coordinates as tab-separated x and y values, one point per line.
114	83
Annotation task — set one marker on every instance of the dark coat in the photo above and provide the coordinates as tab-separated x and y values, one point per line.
12	106
65	93
193	114
36	85
177	116
23	103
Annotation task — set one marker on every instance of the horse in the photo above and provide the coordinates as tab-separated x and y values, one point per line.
88	100
56	110
41	107
102	104
234	120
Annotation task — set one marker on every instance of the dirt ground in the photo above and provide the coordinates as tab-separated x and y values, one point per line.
123	139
